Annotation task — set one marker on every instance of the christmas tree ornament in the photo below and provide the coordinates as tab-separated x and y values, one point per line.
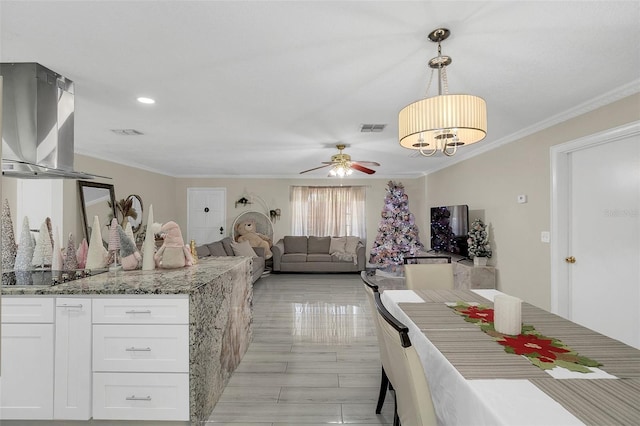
24	254
43	251
149	245
9	247
71	257
97	255
57	261
397	232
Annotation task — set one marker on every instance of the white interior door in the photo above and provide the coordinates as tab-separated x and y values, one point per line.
207	214
602	285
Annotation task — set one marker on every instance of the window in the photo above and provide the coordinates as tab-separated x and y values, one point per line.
328	210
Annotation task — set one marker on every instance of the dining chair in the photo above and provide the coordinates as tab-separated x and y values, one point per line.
428	273
385	383
414	405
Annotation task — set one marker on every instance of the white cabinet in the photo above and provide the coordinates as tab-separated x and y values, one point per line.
141	358
27	358
72	396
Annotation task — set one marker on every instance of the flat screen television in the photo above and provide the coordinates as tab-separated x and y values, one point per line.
449	229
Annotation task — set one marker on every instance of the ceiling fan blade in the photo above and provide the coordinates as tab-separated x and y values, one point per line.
315	168
363	169
367	163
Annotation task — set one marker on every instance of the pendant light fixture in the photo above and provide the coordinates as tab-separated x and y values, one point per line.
444	122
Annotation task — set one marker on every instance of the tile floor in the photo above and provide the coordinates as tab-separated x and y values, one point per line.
313	360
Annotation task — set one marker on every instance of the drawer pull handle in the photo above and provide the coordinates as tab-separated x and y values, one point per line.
134	349
146	311
138	398
64	305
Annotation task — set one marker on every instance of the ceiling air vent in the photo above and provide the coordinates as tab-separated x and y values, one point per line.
126	132
368	128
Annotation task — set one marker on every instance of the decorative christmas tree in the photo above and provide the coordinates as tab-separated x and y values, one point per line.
149	245
57	260
9	248
397	232
82	253
25	248
97	256
114	244
70	256
43	252
478	241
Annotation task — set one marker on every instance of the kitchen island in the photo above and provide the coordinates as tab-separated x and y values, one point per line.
132	326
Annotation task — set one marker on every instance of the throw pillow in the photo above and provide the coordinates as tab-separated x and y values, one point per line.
318	245
243	249
203	251
337	244
293	244
351	245
217	249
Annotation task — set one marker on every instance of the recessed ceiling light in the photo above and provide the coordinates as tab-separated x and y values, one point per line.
144	100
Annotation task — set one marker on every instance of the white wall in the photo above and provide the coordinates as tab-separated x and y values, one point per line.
490	183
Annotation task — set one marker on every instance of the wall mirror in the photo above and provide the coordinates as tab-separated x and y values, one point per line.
96	199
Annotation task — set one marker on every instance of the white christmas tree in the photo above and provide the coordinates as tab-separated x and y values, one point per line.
25	248
149	245
9	248
97	255
57	261
43	252
114	244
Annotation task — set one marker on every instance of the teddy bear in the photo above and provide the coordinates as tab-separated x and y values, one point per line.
247	231
173	253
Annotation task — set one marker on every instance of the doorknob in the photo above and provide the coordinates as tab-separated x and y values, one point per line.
206	209
570	259
221	230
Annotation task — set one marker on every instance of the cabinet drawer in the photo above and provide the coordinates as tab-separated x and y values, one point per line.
141	396
142	348
141	311
27	309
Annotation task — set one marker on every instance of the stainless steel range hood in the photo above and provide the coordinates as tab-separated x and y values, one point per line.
37	117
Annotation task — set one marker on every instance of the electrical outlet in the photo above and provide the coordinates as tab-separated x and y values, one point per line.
522	199
545	236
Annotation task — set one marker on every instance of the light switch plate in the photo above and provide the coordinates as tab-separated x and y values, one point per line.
545	236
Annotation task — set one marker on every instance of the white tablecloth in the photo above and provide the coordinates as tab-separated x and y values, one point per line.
459	401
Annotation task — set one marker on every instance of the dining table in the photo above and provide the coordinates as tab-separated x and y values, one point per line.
474	381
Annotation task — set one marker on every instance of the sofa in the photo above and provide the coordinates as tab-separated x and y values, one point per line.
318	254
227	247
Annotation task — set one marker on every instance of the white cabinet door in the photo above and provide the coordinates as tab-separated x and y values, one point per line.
72	397
27	371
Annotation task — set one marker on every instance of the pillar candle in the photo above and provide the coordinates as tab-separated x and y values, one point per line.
507	314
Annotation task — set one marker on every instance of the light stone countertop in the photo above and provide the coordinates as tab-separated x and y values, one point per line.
159	281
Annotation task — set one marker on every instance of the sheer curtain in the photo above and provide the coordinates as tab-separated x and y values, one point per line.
328	210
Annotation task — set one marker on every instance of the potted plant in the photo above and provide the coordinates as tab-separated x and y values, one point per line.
478	241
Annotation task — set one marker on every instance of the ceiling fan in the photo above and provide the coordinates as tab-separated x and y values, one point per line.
342	165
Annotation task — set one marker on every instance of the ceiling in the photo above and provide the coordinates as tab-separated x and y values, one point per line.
267	89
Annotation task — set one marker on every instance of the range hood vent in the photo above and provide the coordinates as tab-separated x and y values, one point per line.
37	123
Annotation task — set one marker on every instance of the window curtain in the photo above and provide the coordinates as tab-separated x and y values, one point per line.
328	210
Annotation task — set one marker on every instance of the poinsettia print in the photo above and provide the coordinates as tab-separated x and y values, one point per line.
532	345
479	313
